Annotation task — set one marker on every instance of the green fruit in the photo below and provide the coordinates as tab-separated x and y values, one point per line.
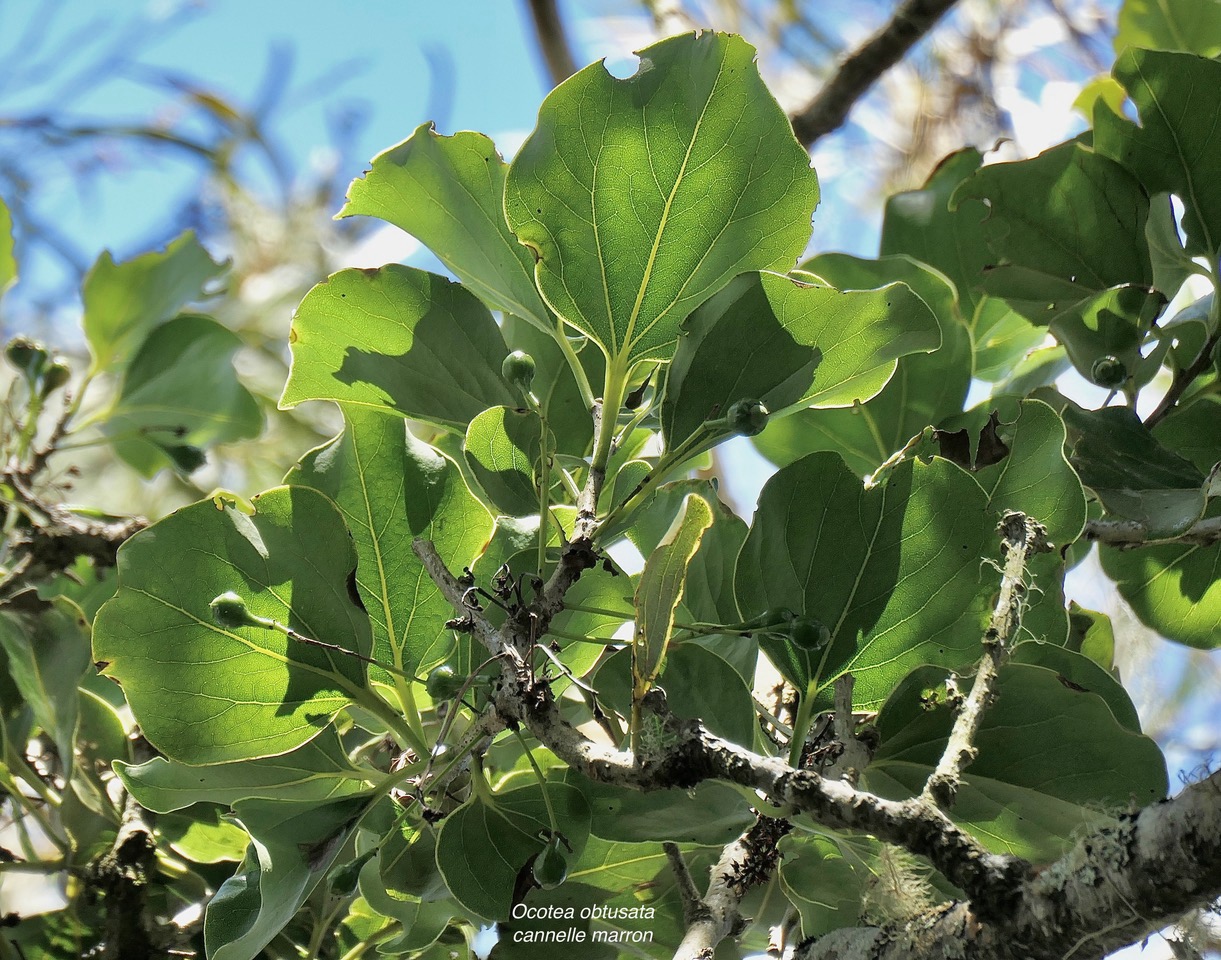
747	417
55	376
443	683
1109	372
809	634
187	458
229	611
550	867
518	369
26	355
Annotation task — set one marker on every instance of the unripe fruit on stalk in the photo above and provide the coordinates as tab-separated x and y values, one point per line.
1109	372
443	683
550	867
809	634
747	417
518	369
229	611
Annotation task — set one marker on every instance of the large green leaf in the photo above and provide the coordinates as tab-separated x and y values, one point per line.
502	448
925	388
181	389
47	657
1176	590
397	339
448	192
1190	25
893	570
125	301
391	488
712	813
204	693
1171	149
790	344
1066	225
1078	672
827	880
1193	431
692	670
8	263
292	845
1035	478
1052	759
317	771
1133	475
483	845
642	197
661	587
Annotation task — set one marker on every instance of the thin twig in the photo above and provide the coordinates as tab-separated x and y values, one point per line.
552	40
1021	539
1183	379
861	68
693	905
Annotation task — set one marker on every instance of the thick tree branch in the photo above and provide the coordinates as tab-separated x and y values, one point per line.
692	754
552	40
747	861
1021	539
861	68
1115	887
1133	533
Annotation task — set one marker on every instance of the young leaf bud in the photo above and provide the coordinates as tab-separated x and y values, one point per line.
26	355
747	417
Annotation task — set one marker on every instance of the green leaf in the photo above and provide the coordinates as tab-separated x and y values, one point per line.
1190	25
1131	473
391	488
642	197
483	845
448	193
1171	150
925	388
8	263
205	836
712	813
790	344
691	671
317	771
1066	225
397	339
181	389
1052	760
1092	635
1036	479
661	587
1176	590
292	845
892	570
125	301
1080	673
923	225
48	654
502	449
1193	432
206	694
825	885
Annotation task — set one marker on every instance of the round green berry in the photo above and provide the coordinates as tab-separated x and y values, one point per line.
747	417
443	683
1109	372
54	376
518	369
26	355
808	634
